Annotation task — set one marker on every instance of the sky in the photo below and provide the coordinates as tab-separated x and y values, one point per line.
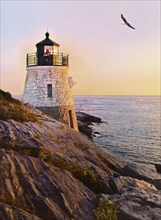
105	56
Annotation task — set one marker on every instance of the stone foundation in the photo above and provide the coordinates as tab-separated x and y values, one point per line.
65	114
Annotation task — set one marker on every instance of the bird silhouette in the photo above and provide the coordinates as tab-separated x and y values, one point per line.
127	23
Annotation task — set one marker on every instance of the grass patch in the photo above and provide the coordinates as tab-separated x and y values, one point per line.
106	210
6	96
14	109
81	146
16	112
29	151
90	178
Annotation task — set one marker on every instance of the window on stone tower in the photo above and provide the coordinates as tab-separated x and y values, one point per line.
49	88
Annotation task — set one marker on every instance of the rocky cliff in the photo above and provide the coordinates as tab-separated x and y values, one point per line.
49	171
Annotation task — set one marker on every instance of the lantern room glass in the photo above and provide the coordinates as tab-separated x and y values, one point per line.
48	50
56	50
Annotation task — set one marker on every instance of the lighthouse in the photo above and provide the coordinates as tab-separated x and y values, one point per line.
47	84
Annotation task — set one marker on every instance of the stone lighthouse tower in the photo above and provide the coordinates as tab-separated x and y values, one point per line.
47	85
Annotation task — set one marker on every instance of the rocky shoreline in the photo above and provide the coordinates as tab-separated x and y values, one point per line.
49	171
85	121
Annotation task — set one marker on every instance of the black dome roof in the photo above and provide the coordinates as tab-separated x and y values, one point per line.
47	41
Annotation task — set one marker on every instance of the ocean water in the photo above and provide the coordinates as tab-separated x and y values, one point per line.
131	125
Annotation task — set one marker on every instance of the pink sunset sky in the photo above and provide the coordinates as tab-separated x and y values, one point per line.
106	57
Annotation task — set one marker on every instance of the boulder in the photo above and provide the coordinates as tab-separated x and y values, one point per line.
142	172
86	118
84	122
117	184
137	203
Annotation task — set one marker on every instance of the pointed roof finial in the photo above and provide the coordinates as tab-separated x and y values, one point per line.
47	34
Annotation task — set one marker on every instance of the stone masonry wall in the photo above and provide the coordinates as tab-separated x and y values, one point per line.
61	113
35	92
38	77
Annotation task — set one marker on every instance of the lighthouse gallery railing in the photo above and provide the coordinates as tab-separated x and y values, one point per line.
57	59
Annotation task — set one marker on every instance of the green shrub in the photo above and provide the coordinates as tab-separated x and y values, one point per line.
106	210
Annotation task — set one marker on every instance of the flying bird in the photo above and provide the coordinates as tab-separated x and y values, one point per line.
127	23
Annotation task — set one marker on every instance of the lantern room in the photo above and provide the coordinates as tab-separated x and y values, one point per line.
47	54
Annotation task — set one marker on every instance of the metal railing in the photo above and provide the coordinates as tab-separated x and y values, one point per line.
31	59
52	59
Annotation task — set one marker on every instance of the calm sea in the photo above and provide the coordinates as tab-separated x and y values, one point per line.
131	127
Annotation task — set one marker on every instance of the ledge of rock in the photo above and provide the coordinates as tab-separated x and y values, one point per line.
85	121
